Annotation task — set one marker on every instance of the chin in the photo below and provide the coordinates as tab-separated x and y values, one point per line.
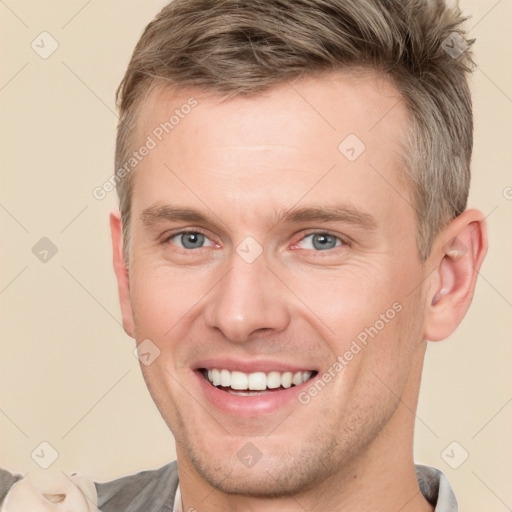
281	471
262	482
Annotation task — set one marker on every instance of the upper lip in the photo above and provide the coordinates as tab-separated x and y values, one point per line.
251	366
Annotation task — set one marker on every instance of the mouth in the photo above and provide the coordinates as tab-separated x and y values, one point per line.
256	383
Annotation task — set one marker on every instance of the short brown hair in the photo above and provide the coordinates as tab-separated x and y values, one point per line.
245	46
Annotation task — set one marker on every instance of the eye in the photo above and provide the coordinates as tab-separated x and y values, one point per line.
319	241
190	240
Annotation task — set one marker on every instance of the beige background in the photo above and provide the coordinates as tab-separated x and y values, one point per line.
68	374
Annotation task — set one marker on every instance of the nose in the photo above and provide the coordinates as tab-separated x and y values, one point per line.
250	298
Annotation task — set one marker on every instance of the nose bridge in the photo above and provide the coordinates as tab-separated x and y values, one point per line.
248	298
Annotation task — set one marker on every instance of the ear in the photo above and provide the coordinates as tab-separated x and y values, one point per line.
123	278
456	257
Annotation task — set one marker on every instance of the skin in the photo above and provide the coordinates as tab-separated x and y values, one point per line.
243	160
52	493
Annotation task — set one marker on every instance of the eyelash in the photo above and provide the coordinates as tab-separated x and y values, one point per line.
343	240
184	232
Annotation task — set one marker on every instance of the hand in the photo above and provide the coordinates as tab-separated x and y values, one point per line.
57	493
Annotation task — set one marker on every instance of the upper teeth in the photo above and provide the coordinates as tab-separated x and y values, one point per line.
257	380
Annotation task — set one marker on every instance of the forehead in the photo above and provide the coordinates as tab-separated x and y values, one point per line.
274	140
360	101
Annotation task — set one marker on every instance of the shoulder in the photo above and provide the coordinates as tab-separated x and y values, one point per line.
7	480
148	491
436	488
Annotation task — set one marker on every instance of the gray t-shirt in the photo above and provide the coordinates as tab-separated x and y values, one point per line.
156	491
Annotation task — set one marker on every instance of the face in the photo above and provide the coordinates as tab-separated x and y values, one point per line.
274	269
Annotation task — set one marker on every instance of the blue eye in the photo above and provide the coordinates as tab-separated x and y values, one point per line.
196	240
190	240
320	241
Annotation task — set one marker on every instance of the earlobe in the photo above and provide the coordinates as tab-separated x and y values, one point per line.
460	251
122	275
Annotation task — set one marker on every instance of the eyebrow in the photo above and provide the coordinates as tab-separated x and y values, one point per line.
160	213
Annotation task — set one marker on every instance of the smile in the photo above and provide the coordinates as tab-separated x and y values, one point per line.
256	383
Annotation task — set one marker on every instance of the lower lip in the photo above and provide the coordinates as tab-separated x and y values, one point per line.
254	405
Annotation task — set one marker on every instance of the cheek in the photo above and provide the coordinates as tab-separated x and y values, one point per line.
347	300
392	346
163	299
365	316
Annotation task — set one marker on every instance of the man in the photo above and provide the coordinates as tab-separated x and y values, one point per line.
293	180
